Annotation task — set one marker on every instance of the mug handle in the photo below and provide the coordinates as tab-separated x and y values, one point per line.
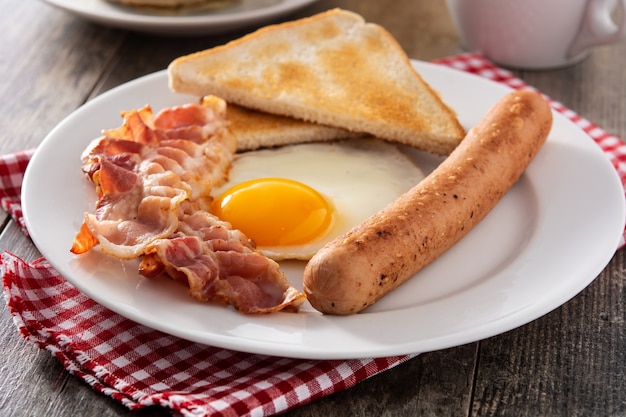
598	27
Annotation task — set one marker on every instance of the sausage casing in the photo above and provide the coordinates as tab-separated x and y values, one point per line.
355	270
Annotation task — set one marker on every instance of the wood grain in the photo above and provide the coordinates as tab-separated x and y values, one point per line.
570	362
44	81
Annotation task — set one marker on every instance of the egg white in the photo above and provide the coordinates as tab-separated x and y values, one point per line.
358	177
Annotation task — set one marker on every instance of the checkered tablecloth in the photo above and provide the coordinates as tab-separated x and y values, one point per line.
139	366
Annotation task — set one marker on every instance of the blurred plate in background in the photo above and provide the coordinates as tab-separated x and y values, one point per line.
240	14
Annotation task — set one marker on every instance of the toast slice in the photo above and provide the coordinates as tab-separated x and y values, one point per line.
255	130
333	69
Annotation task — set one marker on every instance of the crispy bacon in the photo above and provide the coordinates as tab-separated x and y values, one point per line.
153	176
220	264
142	175
138	127
115	178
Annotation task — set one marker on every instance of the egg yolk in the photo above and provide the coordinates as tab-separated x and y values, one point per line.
275	211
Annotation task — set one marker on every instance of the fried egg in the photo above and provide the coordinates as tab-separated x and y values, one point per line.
294	199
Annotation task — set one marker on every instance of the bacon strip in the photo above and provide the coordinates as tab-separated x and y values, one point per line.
221	264
153	177
142	175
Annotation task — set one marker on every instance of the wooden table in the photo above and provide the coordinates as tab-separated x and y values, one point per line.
570	362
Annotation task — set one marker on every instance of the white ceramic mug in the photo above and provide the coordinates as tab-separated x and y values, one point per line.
537	34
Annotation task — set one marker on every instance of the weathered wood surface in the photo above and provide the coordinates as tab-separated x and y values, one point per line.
570	362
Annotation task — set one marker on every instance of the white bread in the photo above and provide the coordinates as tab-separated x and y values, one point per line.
332	69
256	130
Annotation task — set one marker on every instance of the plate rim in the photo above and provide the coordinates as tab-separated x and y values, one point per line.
198	24
373	351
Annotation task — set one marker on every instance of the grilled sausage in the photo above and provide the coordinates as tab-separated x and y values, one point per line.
355	270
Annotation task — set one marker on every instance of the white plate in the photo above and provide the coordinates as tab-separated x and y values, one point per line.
549	237
239	15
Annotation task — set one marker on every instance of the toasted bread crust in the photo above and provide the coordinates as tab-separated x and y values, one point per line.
332	69
255	130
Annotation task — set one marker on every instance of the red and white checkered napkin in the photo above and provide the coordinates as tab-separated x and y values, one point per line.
139	366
